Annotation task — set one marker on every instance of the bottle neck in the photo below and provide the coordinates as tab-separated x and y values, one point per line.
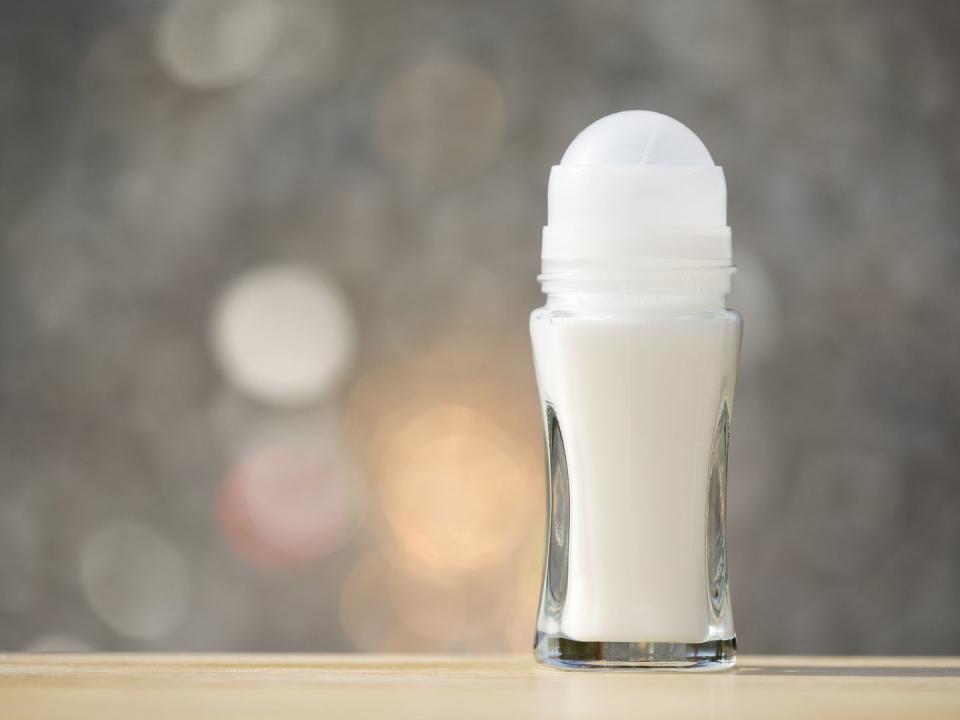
635	284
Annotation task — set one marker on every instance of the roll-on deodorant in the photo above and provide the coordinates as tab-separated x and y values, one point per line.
636	358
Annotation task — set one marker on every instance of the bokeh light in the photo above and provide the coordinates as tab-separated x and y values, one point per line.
451	441
284	334
488	373
288	503
441	118
135	580
453	489
218	43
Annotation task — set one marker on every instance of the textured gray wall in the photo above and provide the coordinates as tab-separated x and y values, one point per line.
155	494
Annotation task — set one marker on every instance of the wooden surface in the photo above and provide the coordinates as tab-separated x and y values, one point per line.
272	687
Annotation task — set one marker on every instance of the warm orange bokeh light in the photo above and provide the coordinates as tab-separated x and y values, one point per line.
452	446
453	489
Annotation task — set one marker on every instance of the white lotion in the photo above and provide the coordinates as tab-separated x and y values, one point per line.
636	358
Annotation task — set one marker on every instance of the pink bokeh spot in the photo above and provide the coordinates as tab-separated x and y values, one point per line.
283	507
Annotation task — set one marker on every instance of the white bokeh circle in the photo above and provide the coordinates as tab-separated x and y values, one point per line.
284	334
135	580
211	44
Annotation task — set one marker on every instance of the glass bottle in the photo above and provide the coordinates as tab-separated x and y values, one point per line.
636	358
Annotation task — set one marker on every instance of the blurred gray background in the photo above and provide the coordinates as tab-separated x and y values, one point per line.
265	381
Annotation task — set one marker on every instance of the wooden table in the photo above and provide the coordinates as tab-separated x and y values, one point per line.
318	687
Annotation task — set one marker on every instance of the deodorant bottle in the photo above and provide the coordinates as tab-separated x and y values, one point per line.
636	359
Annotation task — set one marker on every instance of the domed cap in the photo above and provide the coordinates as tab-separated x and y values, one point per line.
637	184
637	137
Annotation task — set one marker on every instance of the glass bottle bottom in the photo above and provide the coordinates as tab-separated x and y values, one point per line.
562	652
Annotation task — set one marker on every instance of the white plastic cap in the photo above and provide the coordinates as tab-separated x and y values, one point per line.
637	137
638	185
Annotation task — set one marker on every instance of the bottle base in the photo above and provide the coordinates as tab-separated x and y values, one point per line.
562	652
